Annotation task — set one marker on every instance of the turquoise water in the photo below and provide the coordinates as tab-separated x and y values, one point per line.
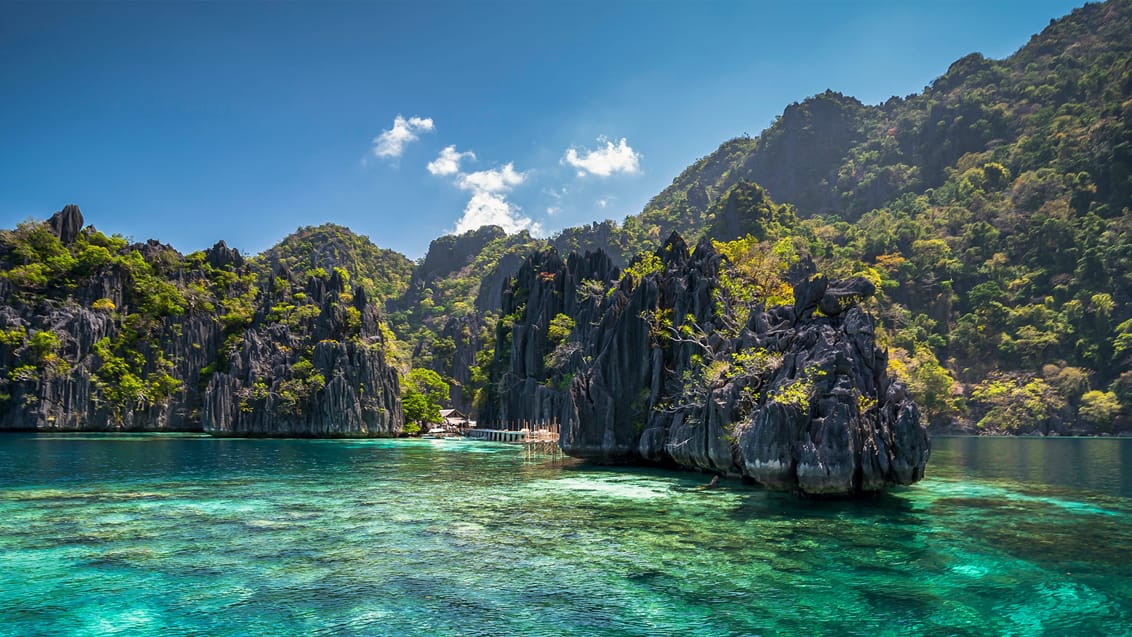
184	535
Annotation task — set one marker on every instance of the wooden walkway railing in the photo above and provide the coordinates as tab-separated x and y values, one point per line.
534	437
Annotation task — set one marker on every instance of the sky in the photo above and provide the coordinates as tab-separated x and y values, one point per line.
194	122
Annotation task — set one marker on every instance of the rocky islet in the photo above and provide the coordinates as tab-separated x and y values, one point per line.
822	416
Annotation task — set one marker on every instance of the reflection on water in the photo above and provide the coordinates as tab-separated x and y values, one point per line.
149	535
1100	464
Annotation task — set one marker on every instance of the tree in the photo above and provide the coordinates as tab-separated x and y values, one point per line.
422	395
1017	403
929	382
559	328
1100	408
712	365
753	273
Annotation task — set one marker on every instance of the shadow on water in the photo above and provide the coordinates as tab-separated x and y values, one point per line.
885	506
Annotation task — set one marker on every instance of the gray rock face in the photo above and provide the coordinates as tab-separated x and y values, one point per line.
354	400
817	414
532	370
64	396
490	294
464	333
854	430
67	223
452	252
598	235
221	256
347	390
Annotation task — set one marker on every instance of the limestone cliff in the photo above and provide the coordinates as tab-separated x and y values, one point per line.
794	398
326	381
451	299
96	334
532	369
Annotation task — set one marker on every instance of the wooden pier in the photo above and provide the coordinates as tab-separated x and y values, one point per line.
535	438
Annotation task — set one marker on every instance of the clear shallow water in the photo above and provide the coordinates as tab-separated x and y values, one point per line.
182	535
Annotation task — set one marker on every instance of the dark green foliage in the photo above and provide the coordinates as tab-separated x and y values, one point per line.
746	210
447	286
1061	102
382	273
122	383
423	394
138	366
297	390
35	255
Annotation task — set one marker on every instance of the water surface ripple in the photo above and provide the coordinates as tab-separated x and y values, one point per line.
186	535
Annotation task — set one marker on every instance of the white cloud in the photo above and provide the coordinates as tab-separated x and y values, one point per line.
488	205
391	143
603	162
491	209
602	203
495	180
448	161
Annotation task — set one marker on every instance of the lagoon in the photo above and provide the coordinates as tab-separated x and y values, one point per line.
189	535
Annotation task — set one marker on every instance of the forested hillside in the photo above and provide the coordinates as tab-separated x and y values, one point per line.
1058	103
317	251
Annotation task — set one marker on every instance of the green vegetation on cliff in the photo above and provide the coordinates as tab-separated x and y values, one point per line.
318	250
444	318
423	394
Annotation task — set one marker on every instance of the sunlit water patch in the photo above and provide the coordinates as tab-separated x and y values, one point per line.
166	535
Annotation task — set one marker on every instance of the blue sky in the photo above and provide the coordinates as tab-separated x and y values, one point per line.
192	122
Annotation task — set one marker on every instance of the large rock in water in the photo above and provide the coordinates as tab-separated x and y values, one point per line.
812	410
830	420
